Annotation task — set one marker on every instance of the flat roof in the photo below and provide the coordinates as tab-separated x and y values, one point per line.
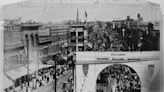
77	25
31	25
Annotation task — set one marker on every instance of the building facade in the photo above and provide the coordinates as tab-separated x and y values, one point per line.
14	54
78	36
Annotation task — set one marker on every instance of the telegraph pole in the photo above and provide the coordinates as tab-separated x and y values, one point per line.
54	58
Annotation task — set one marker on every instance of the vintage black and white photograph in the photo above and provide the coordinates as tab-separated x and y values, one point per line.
82	46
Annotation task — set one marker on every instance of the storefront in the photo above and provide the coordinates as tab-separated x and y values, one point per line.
19	75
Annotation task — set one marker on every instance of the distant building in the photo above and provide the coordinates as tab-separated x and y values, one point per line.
131	23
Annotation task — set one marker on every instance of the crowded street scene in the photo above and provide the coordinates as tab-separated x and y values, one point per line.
118	78
119	35
42	39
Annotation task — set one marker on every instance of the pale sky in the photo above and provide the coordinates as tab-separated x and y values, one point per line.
45	12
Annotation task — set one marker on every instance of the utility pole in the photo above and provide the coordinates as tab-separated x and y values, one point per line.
54	57
57	57
36	48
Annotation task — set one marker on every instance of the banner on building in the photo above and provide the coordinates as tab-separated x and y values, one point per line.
44	31
85	69
114	57
151	69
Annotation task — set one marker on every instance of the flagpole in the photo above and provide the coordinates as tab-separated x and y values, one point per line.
77	16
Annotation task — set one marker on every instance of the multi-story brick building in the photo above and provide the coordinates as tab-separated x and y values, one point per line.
56	43
13	45
78	36
14	54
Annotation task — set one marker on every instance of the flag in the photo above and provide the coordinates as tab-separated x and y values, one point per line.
85	68
85	18
86	14
151	69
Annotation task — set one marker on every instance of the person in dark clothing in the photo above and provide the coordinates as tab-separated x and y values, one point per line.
54	76
48	79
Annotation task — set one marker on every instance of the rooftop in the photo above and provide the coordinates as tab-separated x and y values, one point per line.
78	25
31	25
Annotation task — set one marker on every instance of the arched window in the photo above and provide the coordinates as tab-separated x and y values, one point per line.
32	39
26	39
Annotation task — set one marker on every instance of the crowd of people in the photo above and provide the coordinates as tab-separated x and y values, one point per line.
121	39
37	80
121	78
44	77
99	90
68	86
61	69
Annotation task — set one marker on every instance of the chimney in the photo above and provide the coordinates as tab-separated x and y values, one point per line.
138	16
128	18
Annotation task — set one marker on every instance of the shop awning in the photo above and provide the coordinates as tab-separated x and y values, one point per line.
17	72
22	71
7	82
34	67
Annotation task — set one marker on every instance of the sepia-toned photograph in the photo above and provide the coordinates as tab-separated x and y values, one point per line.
82	46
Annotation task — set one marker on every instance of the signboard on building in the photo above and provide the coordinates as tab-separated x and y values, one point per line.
44	31
114	57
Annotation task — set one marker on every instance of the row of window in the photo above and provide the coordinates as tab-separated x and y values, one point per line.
50	49
79	33
78	41
19	58
60	37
